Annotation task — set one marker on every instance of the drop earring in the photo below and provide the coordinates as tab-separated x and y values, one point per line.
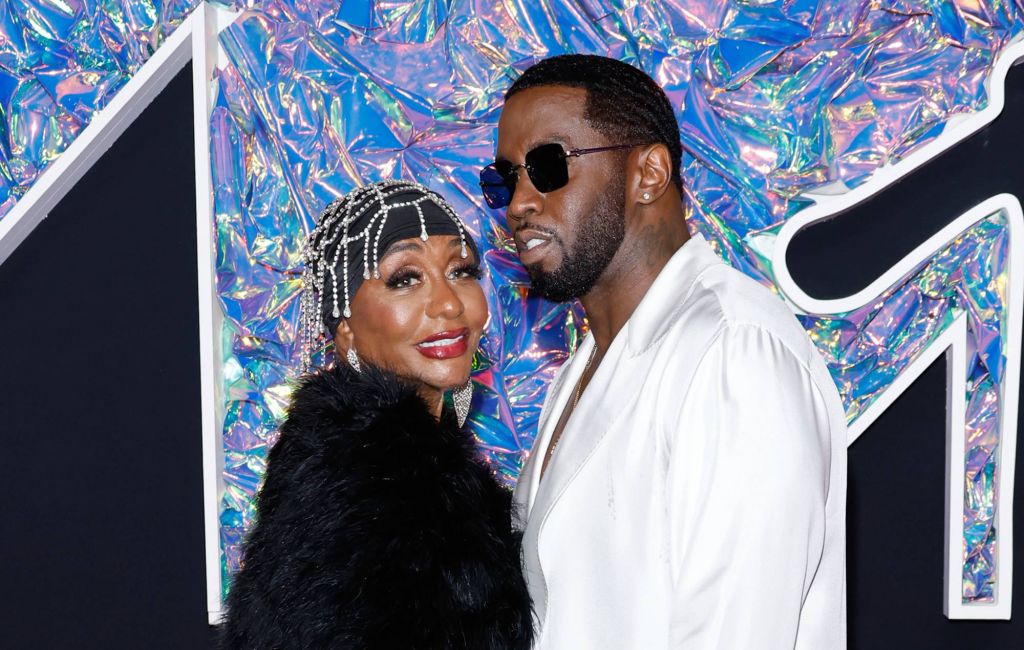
353	359
462	397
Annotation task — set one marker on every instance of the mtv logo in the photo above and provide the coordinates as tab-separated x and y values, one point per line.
956	294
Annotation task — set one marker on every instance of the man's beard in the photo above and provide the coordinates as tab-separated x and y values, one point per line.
597	241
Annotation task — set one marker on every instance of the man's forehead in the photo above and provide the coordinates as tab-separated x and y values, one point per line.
556	100
542	114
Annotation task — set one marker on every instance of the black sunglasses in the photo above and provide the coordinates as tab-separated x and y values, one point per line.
546	165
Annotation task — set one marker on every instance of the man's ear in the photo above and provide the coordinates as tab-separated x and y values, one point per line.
652	174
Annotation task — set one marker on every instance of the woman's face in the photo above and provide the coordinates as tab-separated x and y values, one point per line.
423	318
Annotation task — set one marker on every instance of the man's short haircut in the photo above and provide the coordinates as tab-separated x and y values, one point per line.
623	102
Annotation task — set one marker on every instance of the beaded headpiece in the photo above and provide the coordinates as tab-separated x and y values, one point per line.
347	242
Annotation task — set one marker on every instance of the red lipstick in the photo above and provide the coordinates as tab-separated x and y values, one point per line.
445	345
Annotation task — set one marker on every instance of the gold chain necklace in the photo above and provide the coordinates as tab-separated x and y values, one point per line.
575	399
579	384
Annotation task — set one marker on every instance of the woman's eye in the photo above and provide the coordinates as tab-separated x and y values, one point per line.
468	271
402	280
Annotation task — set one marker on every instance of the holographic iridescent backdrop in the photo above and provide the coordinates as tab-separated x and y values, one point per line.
61	62
774	99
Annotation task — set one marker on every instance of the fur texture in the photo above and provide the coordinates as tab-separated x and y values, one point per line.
377	529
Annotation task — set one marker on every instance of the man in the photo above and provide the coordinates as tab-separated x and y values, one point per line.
687	484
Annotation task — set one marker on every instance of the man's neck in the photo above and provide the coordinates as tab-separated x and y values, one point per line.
618	292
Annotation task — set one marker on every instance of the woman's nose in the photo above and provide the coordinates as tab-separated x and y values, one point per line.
444	301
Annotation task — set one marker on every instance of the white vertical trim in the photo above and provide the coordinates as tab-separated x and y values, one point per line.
1010	397
103	130
956	471
204	35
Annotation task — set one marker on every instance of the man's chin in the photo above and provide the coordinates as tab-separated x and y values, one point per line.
548	285
537	275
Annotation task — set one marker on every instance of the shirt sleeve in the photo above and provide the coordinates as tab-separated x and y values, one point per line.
747	478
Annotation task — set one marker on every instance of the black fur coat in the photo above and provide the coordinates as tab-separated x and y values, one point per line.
377	529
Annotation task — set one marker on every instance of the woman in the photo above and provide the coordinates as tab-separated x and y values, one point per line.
377	527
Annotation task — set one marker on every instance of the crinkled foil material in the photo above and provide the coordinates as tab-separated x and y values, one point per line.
60	62
774	99
867	348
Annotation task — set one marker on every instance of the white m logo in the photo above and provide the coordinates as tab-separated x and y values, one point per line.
960	292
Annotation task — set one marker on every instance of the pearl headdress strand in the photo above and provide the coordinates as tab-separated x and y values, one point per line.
328	245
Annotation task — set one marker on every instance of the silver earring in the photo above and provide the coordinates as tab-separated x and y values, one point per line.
647	196
353	359
462	397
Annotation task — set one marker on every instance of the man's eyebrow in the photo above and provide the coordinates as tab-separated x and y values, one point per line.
536	142
551	138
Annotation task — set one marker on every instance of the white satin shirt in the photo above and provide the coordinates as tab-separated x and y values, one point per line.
697	498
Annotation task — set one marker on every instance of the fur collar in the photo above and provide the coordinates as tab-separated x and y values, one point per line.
356	399
377	528
372	412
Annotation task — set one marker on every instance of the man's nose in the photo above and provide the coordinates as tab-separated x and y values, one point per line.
526	199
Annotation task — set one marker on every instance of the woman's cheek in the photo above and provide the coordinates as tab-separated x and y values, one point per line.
478	306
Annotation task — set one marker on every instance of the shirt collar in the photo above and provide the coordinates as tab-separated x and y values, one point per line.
653	316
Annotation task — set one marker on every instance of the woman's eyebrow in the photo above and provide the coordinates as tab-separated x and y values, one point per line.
400	246
414	245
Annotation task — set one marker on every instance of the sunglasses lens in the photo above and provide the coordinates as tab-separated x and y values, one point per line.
547	167
496	187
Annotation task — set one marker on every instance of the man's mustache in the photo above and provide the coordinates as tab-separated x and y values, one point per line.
554	236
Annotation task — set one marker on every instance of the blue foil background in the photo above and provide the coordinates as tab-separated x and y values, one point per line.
774	99
60	62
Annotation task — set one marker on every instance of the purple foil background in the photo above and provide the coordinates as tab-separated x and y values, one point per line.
774	100
60	62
